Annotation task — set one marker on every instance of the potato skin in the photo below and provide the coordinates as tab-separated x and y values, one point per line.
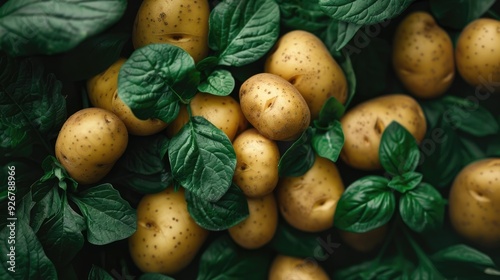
364	124
423	56
274	107
477	53
303	59
257	159
259	228
292	268
167	238
308	202
183	23
474	203
364	242
89	143
102	87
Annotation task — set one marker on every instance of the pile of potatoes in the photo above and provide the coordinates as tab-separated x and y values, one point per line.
278	105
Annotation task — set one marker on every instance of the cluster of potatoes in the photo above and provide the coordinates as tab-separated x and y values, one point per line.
276	105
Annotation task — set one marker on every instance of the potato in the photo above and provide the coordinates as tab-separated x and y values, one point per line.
89	143
303	59
292	268
259	228
183	23
102	90
222	111
477	53
474	203
423	56
167	238
364	124
257	159
274	107
364	242
308	202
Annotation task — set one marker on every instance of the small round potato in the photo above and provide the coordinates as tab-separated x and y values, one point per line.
308	202
292	268
102	87
259	228
364	124
183	23
364	242
89	144
301	58
274	107
257	159
167	238
477	53
423	56
474	203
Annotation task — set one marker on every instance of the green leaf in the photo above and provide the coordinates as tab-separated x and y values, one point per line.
363	11
45	208
92	56
469	117
30	261
393	267
406	182
458	13
343	32
242	31
228	211
424	271
290	241
331	112
108	217
154	78
144	166
345	63
61	235
366	204
98	273
202	159
422	208
328	144
32	106
299	158
154	276
220	82
398	151
302	14
463	255
223	259
29	27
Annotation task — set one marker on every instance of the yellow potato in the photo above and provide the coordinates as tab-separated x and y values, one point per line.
167	238
176	125
292	268
303	59
183	23
364	241
477	53
89	143
257	159
423	56
308	202
474	203
274	107
364	124
259	228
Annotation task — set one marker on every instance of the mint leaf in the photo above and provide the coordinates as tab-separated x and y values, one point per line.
108	217
398	151
299	157
61	235
228	211
31	107
220	82
223	259
242	31
457	14
405	182
363	11
154	78
329	143
30	259
422	208
365	205
29	27
202	159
